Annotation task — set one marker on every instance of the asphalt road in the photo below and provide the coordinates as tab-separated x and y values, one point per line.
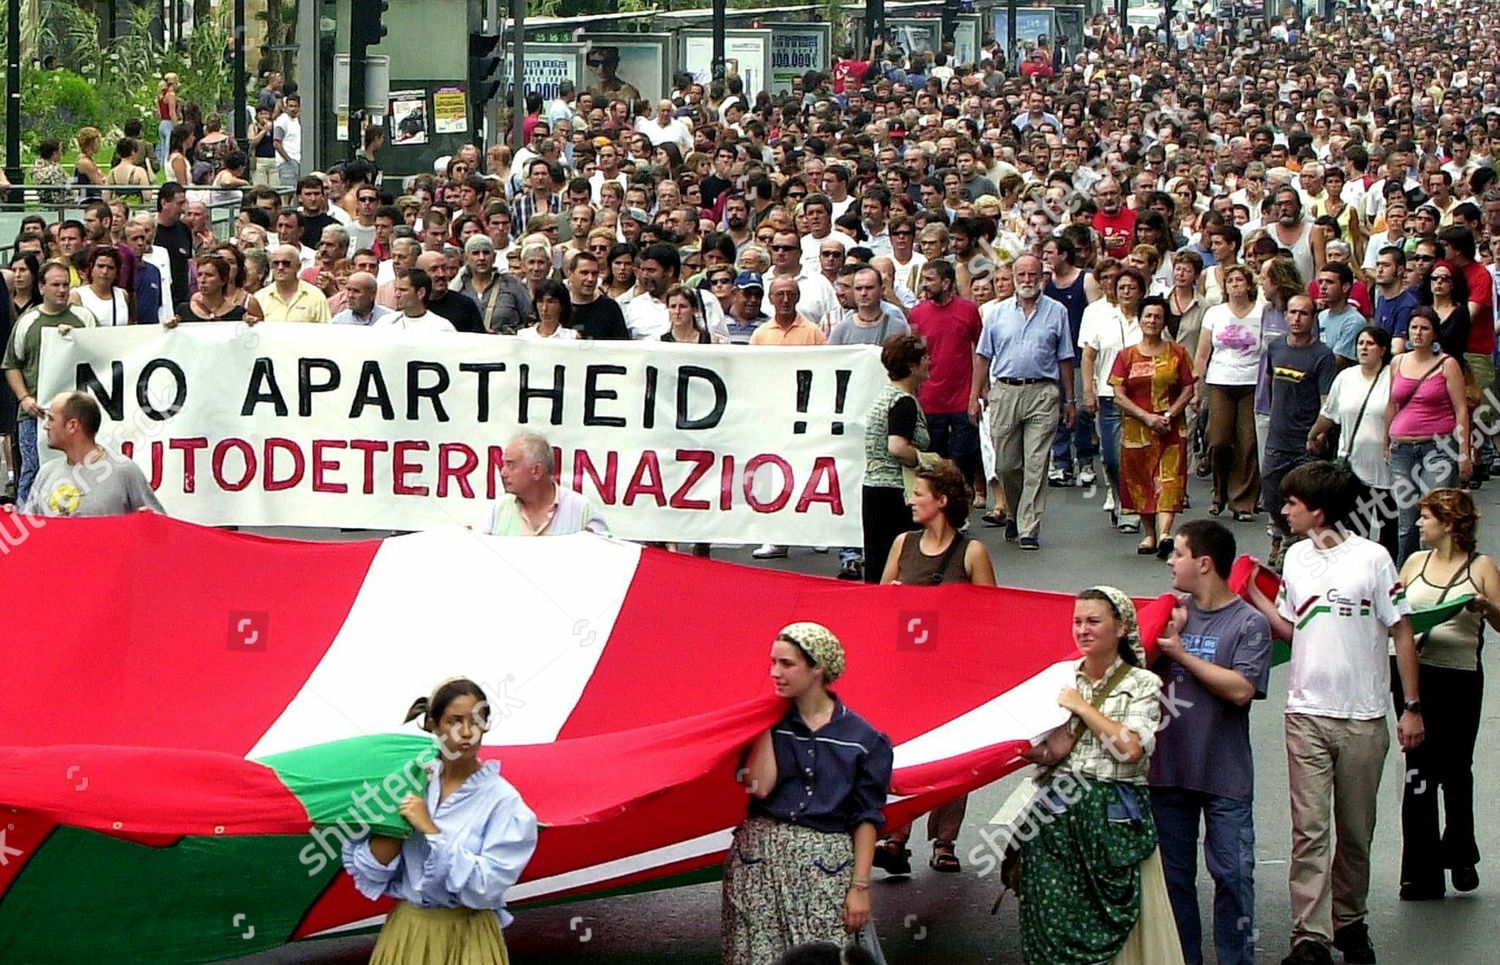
936	918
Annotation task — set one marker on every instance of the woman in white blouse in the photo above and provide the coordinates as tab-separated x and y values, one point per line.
474	836
1356	405
1230	354
553	308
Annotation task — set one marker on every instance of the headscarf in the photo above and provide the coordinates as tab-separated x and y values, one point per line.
422	706
820	645
1124	607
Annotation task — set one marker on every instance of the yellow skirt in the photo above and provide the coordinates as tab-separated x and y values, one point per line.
440	936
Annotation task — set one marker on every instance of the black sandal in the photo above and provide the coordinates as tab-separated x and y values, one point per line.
1217	509
994	518
944	860
1146	547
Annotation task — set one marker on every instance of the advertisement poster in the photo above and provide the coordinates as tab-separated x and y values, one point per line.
746	52
1031	23
797	48
966	41
627	66
916	36
450	110
409	117
1070	24
547	66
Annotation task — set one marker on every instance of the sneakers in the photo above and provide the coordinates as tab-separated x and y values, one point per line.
1030	543
1308	952
1354	941
1087	476
1059	477
852	570
769	551
1109	501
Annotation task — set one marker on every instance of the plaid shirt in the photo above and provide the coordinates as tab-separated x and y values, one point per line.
1134	703
526	208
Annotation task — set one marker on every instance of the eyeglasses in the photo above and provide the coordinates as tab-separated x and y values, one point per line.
903	234
783	247
796	195
281	263
831	254
1447	278
721	281
1421	258
368	198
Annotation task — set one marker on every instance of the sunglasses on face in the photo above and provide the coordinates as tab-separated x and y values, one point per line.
282	264
1442	277
783	247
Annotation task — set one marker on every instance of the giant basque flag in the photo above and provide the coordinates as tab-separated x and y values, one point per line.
194	719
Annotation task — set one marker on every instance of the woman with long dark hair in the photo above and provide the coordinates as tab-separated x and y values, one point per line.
1450	300
895	436
474	836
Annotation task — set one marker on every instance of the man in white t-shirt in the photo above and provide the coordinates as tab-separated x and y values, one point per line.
412	289
1340	600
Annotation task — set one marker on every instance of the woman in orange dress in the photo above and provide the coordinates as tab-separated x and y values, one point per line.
1153	382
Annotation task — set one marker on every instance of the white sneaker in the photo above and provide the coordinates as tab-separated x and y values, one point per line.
769	551
1109	501
1087	477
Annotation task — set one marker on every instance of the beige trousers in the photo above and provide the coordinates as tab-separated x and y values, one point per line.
1334	777
1023	422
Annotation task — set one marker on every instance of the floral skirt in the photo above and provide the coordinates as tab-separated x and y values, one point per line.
440	936
784	885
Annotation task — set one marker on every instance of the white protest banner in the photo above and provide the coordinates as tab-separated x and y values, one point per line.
332	425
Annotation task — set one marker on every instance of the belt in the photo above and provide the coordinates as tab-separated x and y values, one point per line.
1023	381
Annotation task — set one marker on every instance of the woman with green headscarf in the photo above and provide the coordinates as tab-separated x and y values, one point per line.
1091	883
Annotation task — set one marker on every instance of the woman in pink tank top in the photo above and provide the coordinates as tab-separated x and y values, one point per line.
1428	418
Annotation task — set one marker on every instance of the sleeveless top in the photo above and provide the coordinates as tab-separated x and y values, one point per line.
112	311
163	109
1454	644
916	568
1423	407
1075	299
881	468
1301	249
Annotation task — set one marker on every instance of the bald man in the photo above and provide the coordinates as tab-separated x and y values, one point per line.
360	291
455	306
289	298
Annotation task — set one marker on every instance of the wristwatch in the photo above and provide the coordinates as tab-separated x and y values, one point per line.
1414	706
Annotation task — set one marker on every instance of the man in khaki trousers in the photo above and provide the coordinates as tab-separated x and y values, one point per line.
1023	367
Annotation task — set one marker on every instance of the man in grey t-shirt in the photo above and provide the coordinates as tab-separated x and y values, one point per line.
1212	669
90	480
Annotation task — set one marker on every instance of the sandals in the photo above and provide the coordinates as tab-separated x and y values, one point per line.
994	518
1146	547
1217	509
1244	517
892	858
944	860
1164	547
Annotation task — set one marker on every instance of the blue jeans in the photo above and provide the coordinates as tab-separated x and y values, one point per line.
1229	852
26	429
956	437
1109	451
1075	443
1418	467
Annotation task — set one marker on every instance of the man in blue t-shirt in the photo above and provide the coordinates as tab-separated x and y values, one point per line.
1211	669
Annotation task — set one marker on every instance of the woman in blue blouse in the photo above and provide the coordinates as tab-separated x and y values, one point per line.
474	836
799	867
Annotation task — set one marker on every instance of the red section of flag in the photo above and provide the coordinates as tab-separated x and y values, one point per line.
146	631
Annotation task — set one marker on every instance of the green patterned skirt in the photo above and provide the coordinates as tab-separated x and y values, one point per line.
1081	857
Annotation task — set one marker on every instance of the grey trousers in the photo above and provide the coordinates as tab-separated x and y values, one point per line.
1023	423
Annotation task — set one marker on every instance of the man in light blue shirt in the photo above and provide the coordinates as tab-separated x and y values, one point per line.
362	310
1023	368
1340	321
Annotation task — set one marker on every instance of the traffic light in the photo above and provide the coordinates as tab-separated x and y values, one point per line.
484	67
367	23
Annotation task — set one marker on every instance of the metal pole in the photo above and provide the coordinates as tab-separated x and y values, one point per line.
718	61
358	54
1012	61
874	21
518	74
241	79
13	93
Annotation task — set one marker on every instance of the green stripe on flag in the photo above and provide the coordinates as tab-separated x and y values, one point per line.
1422	621
88	897
358	783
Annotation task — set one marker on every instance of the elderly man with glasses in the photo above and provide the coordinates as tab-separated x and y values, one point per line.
289	298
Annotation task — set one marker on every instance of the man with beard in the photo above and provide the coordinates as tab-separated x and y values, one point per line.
593	315
722	178
737	220
1114	222
646	315
1291	231
461	310
1024	368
